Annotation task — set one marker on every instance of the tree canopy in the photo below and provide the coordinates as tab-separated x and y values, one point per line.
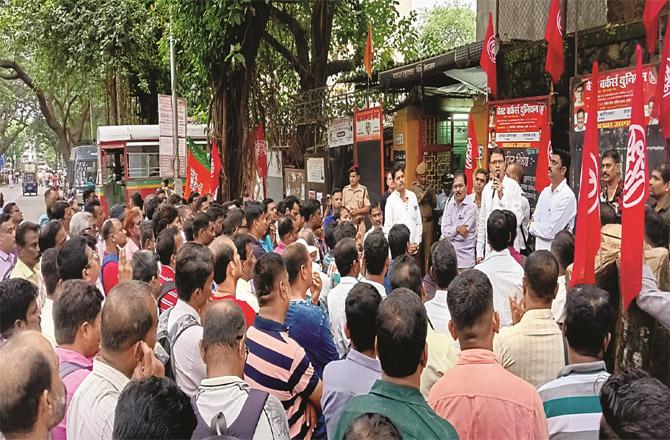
445	27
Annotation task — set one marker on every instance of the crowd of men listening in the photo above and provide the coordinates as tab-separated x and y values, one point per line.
175	319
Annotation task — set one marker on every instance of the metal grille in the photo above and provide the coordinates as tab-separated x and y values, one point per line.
436	165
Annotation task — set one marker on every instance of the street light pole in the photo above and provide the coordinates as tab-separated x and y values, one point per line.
175	115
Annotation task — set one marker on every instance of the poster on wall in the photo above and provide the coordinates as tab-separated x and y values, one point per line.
340	132
614	110
294	182
316	170
368	124
516	126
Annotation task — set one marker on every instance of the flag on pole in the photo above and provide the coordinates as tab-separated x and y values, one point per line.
652	10
367	54
587	237
487	60
471	154
215	167
661	110
635	192
197	170
555	61
542	179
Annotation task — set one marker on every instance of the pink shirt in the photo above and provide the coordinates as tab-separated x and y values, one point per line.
130	248
72	382
483	400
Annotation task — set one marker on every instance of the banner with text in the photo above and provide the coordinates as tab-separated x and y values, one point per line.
516	127
615	97
166	150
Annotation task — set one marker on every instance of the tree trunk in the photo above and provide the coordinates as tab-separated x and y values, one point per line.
229	112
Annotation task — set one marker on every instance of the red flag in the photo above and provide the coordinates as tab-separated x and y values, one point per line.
635	193
652	9
587	237
555	61
215	167
471	154
367	53
542	179
258	137
661	110
197	177
487	59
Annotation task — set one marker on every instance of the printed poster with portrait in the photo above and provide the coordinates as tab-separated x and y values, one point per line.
516	126
614	110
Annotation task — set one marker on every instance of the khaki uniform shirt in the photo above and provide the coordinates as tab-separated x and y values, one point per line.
425	194
355	198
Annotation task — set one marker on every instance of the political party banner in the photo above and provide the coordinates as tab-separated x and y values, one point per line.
516	127
198	175
615	97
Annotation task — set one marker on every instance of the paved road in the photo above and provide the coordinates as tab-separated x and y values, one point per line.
31	206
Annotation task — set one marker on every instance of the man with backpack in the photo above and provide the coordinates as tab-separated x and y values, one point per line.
76	315
248	413
168	243
180	328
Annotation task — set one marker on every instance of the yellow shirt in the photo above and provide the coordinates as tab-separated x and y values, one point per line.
443	351
22	271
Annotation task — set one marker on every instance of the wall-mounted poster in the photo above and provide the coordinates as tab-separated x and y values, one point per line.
517	126
294	182
368	124
316	172
615	96
340	132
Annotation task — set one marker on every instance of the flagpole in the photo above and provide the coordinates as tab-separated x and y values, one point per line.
367	94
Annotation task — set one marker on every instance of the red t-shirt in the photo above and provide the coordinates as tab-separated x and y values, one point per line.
247	310
170	298
110	274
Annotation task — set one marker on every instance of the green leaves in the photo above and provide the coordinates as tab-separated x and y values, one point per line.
443	28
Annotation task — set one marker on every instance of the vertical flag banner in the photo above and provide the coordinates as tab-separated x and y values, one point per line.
635	193
258	137
471	154
197	172
216	166
367	53
487	60
555	61
587	237
661	109
652	10
542	179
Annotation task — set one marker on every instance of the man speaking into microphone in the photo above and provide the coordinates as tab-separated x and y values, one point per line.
500	192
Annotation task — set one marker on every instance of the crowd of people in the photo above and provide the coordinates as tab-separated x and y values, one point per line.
417	315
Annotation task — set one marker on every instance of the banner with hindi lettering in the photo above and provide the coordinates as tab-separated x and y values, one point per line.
615	97
516	126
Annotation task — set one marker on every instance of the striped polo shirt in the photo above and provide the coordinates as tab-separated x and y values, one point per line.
279	365
572	402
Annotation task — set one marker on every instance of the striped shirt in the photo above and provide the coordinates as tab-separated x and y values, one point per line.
572	402
169	300
278	365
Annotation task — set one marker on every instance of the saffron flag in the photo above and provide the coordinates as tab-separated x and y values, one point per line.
197	170
652	9
258	137
587	236
215	167
367	53
661	109
471	154
635	192
555	61
542	179
487	60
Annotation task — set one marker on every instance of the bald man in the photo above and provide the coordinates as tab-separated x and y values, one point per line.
128	333
32	394
516	171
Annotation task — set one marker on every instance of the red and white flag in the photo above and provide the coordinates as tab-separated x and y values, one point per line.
471	155
587	241
555	61
635	193
661	110
487	60
542	179
215	169
652	10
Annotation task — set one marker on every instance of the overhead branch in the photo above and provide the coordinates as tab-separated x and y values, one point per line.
299	34
338	66
286	53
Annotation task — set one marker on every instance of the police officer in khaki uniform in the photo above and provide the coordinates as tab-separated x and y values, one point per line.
356	199
425	195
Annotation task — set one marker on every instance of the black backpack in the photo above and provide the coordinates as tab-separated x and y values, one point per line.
167	337
244	426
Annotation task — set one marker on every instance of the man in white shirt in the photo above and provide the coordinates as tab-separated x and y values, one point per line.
563	249
505	274
349	267
444	270
376	258
193	276
500	192
402	207
557	206
515	171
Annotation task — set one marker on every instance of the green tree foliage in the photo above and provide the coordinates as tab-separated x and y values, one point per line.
445	27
